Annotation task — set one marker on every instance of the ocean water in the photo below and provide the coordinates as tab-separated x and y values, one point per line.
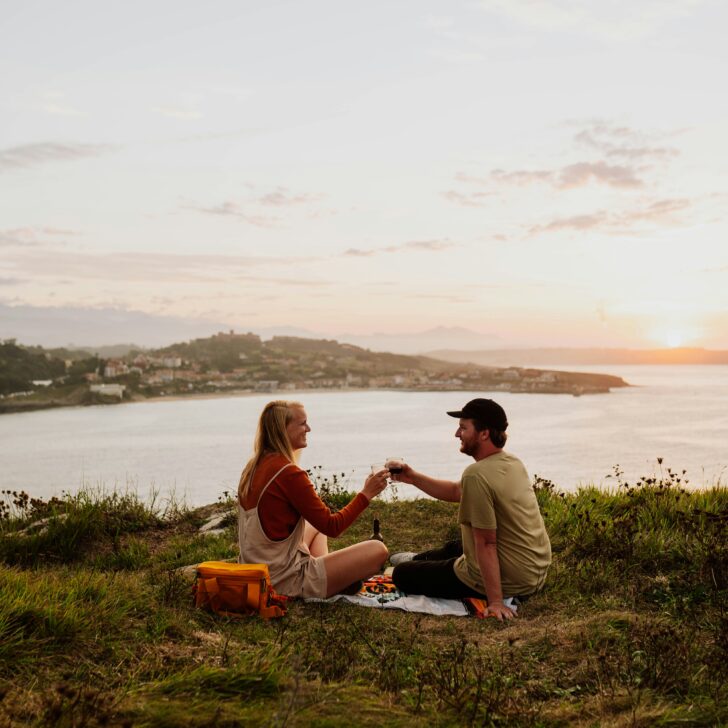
194	449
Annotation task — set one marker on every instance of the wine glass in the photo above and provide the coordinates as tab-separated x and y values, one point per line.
394	465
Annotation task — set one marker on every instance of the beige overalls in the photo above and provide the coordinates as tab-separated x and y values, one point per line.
293	571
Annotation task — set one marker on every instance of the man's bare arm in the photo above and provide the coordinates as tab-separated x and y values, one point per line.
444	490
487	551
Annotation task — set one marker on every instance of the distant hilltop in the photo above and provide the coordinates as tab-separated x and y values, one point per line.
229	362
565	356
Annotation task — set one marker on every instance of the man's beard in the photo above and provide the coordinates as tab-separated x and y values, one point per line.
467	448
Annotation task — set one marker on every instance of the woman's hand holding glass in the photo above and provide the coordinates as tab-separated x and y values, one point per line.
375	483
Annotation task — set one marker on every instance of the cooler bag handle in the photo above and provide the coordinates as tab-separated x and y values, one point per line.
274	604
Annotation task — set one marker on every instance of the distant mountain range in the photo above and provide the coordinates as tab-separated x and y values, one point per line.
94	329
570	357
440	337
100	331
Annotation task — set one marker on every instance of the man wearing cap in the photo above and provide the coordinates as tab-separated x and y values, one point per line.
504	549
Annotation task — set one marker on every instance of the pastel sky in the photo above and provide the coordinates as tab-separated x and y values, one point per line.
542	172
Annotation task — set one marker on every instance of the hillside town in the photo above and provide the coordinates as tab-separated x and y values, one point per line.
233	362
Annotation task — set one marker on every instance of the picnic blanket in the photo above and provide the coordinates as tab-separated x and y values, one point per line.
379	591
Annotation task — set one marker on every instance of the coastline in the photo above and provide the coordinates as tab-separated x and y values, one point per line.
251	393
36	405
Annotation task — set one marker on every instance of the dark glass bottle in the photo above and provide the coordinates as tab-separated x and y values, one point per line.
376	534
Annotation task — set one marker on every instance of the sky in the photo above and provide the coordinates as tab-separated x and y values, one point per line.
534	172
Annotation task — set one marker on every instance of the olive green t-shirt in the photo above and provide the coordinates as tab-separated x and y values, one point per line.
497	494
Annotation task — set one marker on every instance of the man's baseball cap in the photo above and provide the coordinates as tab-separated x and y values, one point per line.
486	411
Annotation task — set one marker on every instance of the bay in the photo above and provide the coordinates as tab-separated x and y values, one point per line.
194	449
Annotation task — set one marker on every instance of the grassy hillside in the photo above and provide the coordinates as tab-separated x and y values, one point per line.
96	625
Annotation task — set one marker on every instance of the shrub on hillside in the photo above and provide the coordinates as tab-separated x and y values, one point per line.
62	530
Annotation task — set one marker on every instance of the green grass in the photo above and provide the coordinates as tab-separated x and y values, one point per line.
97	626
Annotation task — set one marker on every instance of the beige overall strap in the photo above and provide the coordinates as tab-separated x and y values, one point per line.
252	475
270	481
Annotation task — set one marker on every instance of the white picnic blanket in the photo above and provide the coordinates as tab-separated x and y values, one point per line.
399	600
378	593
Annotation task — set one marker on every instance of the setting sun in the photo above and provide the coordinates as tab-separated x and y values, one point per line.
674	339
675	335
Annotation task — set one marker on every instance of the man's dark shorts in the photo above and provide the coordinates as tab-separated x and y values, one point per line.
432	573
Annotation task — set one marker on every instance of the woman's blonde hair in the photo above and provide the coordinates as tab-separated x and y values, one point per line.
271	437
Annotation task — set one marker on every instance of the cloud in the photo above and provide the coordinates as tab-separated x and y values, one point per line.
627	155
59	231
470	179
659	212
295	282
31	236
282	197
469	199
144	267
623	142
522	176
427	245
18	237
576	222
233	209
29	155
412	245
580	174
571	176
359	253
279	197
11	281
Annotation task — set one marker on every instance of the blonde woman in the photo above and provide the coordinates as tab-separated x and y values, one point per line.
283	523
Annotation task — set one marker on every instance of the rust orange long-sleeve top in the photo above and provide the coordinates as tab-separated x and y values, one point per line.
292	495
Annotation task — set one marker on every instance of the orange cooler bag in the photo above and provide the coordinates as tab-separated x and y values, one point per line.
235	590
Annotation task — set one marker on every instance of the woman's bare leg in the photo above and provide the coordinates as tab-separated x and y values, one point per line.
317	542
360	561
